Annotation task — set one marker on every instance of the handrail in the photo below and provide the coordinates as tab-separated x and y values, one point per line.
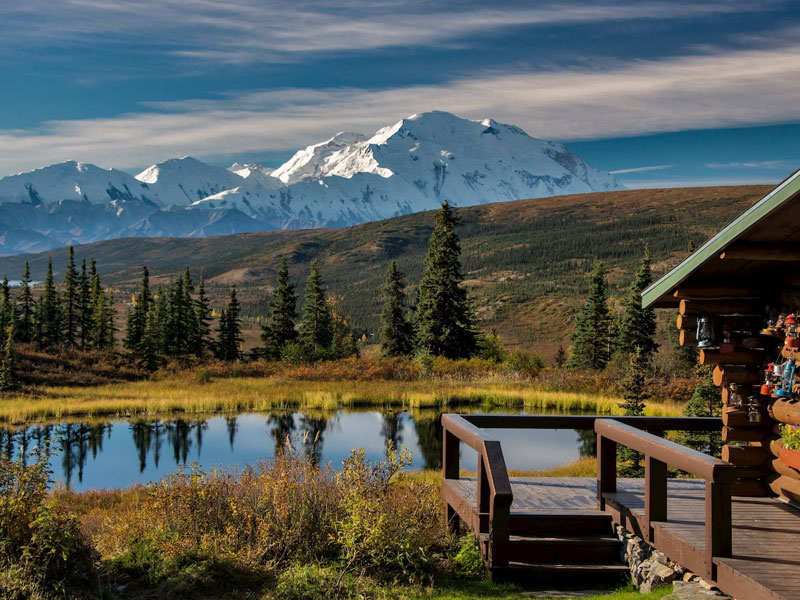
718	474
658	424
494	488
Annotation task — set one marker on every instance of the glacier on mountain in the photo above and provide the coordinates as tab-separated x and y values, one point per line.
350	178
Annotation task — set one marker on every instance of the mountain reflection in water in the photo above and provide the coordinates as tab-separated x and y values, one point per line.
117	453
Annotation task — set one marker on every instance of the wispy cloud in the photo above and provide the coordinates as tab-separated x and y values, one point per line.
730	89
760	164
641	169
243	31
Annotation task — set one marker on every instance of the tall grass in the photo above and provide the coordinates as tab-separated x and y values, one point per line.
237	394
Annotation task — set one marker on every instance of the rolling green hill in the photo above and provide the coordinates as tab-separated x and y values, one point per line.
524	261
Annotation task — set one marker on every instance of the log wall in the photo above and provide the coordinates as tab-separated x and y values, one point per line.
751	418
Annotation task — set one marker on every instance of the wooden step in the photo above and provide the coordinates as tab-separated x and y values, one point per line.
559	524
577	549
600	572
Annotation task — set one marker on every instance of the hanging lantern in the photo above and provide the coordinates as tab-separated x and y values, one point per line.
753	409
792	341
727	345
705	332
735	395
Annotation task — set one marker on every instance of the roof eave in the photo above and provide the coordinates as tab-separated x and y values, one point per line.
658	293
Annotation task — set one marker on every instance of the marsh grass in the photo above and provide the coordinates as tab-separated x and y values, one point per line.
241	394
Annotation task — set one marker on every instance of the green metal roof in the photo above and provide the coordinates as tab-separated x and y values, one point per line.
782	194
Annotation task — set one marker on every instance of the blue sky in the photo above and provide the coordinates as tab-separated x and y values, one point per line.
662	93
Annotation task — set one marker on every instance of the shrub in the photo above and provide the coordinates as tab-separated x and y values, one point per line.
526	364
42	551
257	521
468	562
386	527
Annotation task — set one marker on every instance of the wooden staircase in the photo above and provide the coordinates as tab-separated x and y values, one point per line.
579	547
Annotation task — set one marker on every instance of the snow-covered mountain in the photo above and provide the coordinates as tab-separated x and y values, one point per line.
407	167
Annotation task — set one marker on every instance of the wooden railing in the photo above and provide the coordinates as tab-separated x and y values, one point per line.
494	489
658	454
494	495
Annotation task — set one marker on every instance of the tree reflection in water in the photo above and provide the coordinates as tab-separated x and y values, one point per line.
231	440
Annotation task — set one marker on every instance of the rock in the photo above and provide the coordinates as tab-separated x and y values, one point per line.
659	574
682	590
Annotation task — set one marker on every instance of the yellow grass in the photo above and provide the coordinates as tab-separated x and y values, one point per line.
233	394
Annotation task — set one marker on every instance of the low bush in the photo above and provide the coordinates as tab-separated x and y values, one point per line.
43	553
367	518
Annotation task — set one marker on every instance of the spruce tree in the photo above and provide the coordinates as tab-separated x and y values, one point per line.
49	317
638	325
280	328
230	330
396	333
315	329
25	330
7	379
706	401
5	305
202	311
634	394
149	347
137	314
444	320
560	358
591	340
71	302
85	305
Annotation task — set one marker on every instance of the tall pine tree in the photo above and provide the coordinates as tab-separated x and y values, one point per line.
85	304
49	317
444	321
25	331
315	329
71	302
202	311
638	325
592	338
634	394
230	330
396	334
280	328
137	314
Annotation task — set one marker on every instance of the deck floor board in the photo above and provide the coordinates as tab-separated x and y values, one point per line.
765	530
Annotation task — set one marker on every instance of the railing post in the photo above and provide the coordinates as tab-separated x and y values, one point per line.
450	456
499	523
655	493
606	468
484	493
718	524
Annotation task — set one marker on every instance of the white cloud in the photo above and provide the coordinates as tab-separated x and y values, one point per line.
760	164
243	31
641	169
733	89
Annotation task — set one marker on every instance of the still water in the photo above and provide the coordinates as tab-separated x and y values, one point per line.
122	452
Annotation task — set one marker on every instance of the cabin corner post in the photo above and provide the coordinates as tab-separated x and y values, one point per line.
606	468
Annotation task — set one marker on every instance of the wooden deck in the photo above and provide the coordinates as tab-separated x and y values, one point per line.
549	526
764	564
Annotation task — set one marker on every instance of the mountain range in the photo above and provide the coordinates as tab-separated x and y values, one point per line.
351	178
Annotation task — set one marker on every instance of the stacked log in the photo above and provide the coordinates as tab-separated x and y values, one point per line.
738	364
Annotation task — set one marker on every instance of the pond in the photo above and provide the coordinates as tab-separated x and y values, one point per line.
121	452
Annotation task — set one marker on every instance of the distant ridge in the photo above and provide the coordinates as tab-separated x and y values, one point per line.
524	261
